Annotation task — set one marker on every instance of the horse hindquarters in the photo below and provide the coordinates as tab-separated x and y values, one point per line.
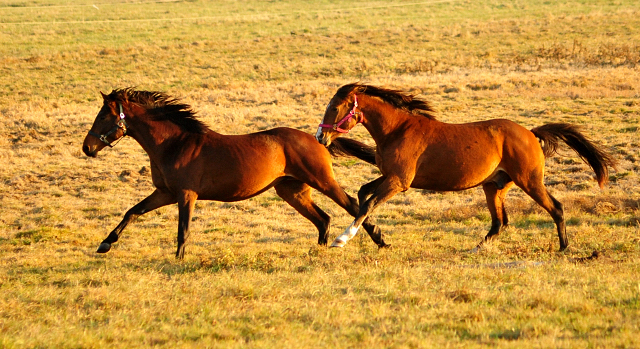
526	169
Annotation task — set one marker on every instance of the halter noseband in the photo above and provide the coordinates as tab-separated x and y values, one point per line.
352	113
120	124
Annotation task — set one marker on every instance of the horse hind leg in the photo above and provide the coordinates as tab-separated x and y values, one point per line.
541	196
495	194
298	195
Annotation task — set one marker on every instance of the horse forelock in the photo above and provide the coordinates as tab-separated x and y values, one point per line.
160	107
396	98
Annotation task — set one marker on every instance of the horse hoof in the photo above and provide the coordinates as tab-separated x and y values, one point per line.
476	249
104	247
338	243
383	245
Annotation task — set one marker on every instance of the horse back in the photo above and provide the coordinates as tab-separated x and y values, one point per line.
461	156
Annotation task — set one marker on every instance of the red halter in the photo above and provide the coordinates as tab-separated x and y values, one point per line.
352	113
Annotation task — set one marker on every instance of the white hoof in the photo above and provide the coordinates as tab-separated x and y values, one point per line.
338	243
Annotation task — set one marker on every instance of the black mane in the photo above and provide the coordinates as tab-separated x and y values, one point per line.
162	107
396	98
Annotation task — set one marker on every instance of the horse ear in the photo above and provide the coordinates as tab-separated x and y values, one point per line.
104	97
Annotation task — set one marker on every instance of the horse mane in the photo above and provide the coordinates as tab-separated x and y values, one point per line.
397	98
162	107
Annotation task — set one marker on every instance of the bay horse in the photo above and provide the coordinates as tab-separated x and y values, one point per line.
189	161
415	150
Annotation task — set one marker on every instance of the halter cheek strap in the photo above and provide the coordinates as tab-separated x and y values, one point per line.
120	124
352	113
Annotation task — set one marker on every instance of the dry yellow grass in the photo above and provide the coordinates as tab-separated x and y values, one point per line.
253	276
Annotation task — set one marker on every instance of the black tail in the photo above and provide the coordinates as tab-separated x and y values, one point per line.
349	147
589	152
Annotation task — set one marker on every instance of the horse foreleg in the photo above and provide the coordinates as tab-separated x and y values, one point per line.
186	203
373	230
368	189
388	187
155	200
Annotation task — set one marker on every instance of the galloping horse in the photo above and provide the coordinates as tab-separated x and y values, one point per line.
414	150
189	161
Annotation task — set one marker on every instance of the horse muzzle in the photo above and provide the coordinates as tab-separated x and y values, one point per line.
91	151
91	146
322	137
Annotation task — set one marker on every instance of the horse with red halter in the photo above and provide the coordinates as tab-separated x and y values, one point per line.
414	150
191	162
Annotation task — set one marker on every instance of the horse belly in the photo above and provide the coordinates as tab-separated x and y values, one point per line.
240	176
456	172
238	190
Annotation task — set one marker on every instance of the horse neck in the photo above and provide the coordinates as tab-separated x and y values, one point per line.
381	119
153	136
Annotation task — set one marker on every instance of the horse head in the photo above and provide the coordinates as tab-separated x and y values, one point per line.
108	127
340	117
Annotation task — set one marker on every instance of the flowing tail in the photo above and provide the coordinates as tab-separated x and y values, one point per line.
589	152
349	147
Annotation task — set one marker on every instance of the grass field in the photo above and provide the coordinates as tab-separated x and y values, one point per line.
253	276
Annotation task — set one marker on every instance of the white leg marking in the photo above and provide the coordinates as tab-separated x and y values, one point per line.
348	234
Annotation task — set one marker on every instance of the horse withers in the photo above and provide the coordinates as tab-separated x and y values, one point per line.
415	150
191	162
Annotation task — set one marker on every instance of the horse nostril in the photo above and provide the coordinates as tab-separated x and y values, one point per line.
88	151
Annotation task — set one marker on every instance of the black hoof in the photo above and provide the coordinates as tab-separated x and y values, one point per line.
180	253
104	247
384	245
